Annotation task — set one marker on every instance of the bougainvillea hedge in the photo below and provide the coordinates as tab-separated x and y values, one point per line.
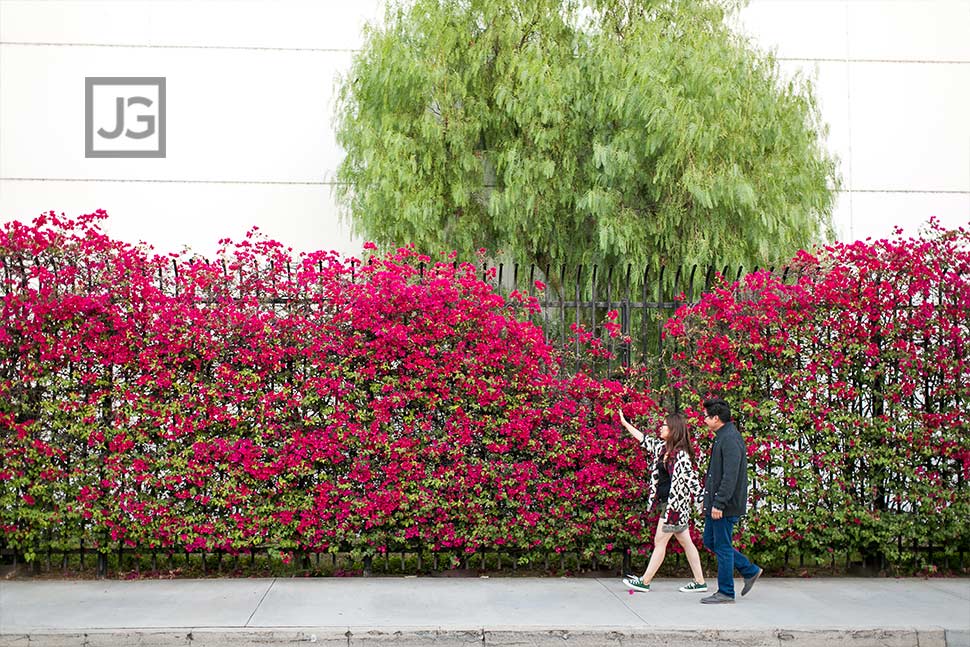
303	403
852	385
314	403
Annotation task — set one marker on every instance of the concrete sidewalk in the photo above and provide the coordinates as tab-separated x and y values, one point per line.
480	611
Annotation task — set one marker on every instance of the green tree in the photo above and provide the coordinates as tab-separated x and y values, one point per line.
580	131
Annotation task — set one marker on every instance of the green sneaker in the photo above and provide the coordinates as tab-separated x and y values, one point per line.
636	584
694	587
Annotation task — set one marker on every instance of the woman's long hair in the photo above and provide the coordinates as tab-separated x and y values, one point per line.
679	437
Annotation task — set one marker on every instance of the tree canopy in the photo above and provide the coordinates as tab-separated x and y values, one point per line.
580	131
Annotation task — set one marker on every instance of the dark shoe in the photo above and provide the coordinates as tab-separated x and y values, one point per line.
749	581
717	598
636	584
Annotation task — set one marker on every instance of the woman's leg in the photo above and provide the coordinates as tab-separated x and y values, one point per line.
693	558
659	552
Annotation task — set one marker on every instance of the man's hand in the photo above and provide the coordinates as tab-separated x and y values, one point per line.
716	514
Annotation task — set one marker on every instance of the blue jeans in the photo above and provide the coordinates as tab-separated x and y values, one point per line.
718	534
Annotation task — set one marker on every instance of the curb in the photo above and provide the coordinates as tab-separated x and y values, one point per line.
328	637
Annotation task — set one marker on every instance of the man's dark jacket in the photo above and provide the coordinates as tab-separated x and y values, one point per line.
726	485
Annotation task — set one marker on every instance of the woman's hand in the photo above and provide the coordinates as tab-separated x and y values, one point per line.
630	428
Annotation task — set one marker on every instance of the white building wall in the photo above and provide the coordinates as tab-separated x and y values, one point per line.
893	82
250	101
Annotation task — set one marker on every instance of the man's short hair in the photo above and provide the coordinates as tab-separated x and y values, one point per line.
719	408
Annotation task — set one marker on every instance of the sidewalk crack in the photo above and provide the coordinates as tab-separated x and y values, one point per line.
622	601
258	604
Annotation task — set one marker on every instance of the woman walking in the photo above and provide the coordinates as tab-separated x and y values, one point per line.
675	487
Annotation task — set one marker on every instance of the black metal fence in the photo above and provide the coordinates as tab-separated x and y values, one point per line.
122	560
643	301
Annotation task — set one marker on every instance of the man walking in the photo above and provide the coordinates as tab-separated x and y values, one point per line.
725	500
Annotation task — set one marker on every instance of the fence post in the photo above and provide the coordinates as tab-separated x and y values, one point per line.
661	373
625	319
643	315
579	273
690	283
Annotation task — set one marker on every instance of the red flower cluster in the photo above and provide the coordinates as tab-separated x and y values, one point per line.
306	403
852	384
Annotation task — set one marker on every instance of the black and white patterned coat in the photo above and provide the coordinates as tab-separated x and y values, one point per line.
685	486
